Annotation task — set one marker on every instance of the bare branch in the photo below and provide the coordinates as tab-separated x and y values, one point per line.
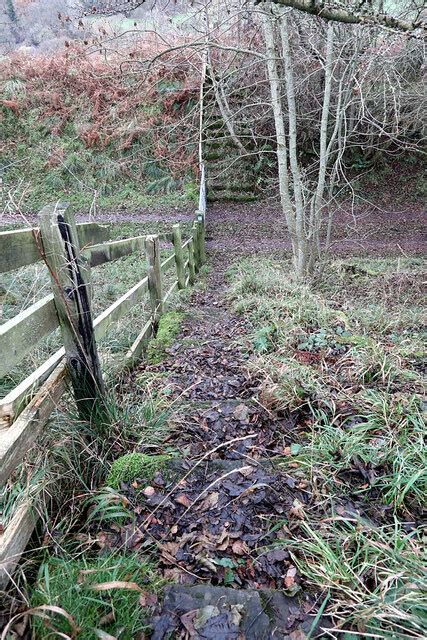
337	13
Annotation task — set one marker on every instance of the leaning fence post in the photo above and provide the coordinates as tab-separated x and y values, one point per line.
152	250
179	257
191	269
72	293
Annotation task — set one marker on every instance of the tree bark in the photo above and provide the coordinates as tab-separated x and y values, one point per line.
296	175
282	154
324	10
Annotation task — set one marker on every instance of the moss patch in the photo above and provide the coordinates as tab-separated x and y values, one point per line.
134	465
169	327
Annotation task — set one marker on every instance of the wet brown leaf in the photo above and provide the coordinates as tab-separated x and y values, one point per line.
183	500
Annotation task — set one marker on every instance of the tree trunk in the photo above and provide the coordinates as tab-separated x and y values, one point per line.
282	153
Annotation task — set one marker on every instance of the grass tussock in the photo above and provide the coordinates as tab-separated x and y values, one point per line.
98	598
347	356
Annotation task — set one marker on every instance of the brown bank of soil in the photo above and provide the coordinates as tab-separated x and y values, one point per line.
219	515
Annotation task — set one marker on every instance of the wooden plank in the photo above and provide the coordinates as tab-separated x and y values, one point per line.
90	233
107	252
167	264
201	242
15	538
21	247
21	435
170	291
154	271
191	267
21	334
196	246
202	191
119	308
140	343
179	256
13	403
72	293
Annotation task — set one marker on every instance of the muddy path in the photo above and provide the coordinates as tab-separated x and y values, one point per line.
364	229
219	512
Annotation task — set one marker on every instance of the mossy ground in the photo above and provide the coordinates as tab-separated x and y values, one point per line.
134	466
169	327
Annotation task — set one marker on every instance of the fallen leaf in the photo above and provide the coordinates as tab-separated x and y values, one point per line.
187	622
210	502
228	577
149	491
103	635
147	599
204	614
241	413
291	572
107	619
297	510
289	581
239	547
182	499
297	635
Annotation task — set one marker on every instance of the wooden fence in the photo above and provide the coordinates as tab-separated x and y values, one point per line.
70	251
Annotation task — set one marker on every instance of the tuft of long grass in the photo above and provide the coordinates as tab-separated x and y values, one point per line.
375	576
86	598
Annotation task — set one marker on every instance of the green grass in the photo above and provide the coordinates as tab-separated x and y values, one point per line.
347	355
375	576
85	598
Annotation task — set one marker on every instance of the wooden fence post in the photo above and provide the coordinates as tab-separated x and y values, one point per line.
179	257
191	269
152	250
72	294
202	250
196	246
201	254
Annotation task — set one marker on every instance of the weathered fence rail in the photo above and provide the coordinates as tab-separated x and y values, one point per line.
70	251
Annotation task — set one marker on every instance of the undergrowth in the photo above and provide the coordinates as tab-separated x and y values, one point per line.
347	357
75	127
